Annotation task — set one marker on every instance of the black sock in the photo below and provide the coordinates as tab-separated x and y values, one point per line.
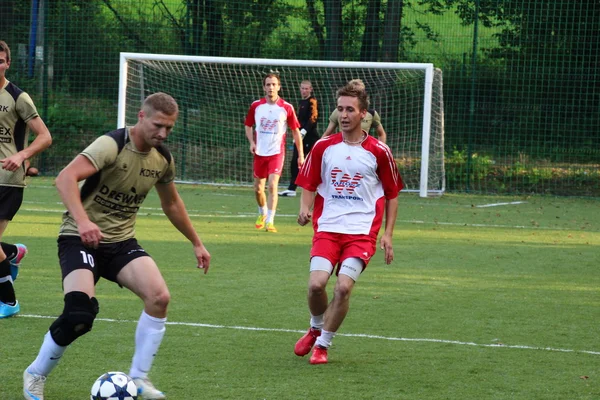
7	291
10	250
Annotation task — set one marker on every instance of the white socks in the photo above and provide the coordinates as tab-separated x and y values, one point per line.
325	339
48	356
148	337
316	321
270	216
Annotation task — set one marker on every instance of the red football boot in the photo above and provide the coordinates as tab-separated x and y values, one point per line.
319	355
306	342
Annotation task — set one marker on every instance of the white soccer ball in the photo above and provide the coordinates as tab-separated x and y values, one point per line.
114	386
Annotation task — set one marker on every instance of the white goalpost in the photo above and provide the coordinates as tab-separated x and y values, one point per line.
214	94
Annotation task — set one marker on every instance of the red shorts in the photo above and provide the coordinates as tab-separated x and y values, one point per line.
267	165
336	247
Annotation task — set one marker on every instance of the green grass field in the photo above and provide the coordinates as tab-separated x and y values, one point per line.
484	301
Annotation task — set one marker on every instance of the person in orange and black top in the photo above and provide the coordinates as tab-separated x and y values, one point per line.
307	116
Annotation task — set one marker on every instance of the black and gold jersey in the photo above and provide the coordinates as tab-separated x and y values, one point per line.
371	119
16	109
113	195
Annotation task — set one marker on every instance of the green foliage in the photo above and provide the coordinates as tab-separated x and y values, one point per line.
292	39
461	166
74	123
250	24
523	175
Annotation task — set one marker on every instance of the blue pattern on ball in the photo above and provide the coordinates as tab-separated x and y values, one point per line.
114	386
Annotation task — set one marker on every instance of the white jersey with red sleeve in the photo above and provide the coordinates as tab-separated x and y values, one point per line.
271	121
351	183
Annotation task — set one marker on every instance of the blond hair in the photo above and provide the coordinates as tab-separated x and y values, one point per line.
161	102
358	83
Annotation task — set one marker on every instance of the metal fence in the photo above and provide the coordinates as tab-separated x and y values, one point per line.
521	80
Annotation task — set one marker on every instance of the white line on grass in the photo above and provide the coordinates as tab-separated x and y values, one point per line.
360	335
222	214
500	204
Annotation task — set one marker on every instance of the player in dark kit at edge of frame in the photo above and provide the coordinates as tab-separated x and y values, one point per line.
17	115
97	239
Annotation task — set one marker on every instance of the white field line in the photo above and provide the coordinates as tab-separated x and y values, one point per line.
500	204
226	214
354	335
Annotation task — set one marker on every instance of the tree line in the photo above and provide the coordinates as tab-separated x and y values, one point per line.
543	62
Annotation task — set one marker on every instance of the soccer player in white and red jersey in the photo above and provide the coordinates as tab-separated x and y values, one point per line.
272	116
352	180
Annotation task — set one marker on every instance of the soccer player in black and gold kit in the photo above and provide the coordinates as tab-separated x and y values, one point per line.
18	116
97	238
371	119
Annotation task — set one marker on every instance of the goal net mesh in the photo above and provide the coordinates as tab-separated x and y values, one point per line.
209	143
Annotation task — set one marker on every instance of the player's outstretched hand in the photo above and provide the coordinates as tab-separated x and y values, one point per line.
203	257
386	245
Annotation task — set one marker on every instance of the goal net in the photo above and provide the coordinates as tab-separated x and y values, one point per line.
214	94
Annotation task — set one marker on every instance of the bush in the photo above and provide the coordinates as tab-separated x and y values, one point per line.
74	123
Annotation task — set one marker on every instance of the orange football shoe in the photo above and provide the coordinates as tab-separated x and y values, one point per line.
260	221
271	228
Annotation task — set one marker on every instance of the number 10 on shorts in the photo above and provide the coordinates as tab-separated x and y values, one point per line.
87	258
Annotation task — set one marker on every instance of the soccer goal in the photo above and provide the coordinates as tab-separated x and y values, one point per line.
214	94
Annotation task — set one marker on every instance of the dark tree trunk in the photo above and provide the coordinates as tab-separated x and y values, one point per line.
317	28
197	18
334	43
214	28
369	50
391	31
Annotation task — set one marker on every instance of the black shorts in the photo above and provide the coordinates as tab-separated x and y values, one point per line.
11	199
106	261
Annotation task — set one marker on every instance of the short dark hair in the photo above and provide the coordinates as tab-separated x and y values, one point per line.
161	102
353	90
272	74
4	47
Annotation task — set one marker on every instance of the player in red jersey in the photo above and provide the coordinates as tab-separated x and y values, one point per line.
271	116
350	180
